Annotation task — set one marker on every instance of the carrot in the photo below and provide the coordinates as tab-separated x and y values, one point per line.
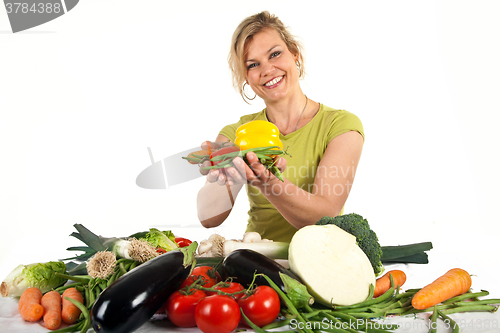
453	283
29	304
51	303
70	312
384	283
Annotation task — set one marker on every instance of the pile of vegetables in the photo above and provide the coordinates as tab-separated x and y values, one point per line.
331	284
104	261
257	136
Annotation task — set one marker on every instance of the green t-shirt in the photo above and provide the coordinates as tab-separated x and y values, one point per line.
306	147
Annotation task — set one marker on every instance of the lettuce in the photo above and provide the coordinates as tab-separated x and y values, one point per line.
40	275
163	239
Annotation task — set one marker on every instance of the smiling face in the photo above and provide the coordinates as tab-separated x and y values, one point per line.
271	69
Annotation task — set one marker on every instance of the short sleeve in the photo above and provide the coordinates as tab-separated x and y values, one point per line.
345	121
229	131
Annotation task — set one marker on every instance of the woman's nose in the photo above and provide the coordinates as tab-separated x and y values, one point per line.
267	68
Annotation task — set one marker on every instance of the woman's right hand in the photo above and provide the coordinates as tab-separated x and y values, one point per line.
231	175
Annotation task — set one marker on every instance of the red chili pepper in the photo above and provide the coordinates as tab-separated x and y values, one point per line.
160	250
222	151
225	150
182	242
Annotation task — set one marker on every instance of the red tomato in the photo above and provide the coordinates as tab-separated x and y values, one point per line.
217	314
261	307
232	288
180	308
211	276
182	242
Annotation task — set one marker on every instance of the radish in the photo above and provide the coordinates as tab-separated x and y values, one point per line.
330	263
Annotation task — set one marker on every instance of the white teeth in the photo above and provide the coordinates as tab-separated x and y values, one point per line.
273	82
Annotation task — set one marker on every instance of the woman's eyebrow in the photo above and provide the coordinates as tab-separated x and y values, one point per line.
268	51
272	48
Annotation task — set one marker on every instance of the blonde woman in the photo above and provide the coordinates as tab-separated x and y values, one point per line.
325	144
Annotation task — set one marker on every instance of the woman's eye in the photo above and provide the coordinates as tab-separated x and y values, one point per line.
251	65
275	54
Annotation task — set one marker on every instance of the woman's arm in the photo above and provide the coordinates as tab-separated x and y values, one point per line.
214	202
332	183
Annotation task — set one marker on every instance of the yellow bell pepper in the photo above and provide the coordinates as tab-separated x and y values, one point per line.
257	134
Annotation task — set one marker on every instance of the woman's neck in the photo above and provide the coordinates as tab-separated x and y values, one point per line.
291	114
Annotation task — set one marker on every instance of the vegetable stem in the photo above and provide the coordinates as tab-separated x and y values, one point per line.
76	278
470	308
479	302
251	324
73	328
433	321
369	302
287	301
450	321
466	296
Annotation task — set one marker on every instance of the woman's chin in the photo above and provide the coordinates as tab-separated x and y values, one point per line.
274	96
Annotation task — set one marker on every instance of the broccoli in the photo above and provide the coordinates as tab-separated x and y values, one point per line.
366	238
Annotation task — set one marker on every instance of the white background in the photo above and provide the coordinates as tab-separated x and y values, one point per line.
83	96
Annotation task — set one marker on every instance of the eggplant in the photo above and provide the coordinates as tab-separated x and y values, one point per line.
135	297
243	263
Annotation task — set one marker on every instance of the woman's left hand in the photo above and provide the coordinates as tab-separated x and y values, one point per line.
258	175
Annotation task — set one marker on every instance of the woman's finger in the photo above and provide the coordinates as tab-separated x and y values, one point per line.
203	171
221	179
281	164
238	172
259	170
213	176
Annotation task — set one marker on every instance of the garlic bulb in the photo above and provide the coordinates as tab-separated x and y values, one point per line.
205	247
217	245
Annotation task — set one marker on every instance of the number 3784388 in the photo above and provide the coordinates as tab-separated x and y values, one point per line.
34	8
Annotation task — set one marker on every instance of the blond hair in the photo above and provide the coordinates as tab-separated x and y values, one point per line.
244	34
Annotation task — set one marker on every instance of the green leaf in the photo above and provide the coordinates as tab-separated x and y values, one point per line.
77	236
89	238
81	257
80	248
